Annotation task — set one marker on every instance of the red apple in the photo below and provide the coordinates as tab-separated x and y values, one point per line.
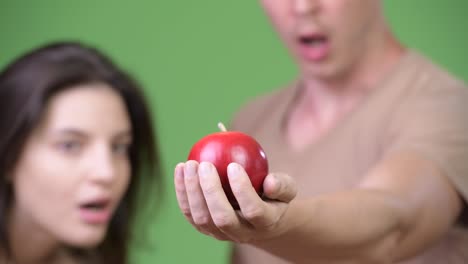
224	147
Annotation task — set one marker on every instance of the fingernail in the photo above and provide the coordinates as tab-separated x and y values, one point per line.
205	168
277	183
179	170
233	169
190	168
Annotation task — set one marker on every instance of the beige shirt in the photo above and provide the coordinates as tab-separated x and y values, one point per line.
418	106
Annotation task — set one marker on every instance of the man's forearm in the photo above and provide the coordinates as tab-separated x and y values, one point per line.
359	225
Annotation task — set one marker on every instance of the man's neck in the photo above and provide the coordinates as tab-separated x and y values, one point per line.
321	104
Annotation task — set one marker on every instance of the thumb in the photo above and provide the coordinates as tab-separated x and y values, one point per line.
280	186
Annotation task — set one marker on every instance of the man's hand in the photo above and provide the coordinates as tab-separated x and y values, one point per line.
205	205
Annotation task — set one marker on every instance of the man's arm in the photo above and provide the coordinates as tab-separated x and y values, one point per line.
400	208
403	206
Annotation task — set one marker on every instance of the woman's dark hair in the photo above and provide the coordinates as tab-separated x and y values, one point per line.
26	86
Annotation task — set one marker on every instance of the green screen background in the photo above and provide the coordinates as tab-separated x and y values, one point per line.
198	61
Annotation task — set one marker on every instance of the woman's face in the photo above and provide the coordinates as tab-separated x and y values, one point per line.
74	168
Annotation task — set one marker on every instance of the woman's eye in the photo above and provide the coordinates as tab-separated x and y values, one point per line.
121	149
70	146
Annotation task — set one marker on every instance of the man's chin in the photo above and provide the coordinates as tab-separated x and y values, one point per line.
322	72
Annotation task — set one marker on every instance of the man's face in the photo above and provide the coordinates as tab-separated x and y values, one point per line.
326	37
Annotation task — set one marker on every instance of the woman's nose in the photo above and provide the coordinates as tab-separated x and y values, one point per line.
103	166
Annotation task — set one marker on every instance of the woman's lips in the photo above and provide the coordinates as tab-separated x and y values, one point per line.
95	212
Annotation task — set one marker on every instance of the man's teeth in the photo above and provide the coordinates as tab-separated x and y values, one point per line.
313	41
316	42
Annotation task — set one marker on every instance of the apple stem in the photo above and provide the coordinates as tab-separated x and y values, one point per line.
222	127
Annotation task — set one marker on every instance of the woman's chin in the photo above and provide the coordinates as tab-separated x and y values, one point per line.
87	238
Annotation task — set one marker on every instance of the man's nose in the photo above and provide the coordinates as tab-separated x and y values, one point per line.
302	7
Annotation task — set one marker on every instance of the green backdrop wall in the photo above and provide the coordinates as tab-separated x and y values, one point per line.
198	61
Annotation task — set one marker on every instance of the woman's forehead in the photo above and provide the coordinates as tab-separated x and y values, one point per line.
86	107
